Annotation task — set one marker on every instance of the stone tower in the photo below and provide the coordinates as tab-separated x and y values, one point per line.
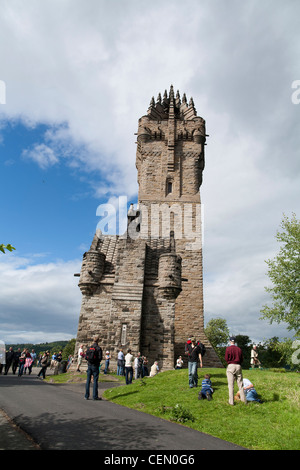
144	289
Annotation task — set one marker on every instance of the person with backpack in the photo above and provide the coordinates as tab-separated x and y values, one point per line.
93	356
194	352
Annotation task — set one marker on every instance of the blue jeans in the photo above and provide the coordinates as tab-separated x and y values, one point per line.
251	395
128	375
92	370
193	376
21	369
106	366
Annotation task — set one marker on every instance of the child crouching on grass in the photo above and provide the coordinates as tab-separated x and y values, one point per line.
206	390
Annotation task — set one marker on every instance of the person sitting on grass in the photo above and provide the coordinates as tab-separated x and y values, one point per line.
206	390
250	392
154	369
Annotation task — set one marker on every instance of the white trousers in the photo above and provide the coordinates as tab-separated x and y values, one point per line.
234	372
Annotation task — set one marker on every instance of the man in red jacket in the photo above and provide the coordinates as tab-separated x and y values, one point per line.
234	359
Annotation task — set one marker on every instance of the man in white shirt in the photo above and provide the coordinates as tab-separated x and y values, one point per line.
138	362
79	357
128	367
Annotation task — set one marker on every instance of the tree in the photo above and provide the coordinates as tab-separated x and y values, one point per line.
69	349
217	332
284	272
8	247
277	353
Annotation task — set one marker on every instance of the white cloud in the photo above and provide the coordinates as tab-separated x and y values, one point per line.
41	154
38	301
89	70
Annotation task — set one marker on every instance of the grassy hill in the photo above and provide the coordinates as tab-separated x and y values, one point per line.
272	425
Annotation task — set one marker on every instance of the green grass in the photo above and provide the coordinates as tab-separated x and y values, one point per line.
272	425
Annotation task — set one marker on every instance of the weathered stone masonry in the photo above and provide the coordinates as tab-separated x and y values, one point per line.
144	290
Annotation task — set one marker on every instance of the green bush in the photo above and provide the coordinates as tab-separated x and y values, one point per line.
181	414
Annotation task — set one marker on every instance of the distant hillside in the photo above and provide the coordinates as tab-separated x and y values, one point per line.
55	346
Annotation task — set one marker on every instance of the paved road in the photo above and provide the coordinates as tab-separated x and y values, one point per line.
57	417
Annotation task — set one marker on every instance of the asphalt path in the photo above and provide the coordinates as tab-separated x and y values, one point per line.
38	415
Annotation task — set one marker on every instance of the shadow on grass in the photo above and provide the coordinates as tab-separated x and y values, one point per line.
121	395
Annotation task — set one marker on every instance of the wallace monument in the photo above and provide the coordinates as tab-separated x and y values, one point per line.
143	289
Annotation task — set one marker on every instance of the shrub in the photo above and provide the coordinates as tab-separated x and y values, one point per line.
181	414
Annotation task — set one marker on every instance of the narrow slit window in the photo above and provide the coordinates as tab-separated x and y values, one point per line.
169	187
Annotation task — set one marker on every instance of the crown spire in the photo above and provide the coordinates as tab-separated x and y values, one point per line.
171	107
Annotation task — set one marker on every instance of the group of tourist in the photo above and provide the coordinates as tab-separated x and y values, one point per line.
22	361
234	359
139	364
137	367
127	364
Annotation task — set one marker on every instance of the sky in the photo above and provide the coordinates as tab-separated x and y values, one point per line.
75	77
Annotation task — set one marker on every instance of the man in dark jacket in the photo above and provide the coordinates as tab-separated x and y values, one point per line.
9	359
194	353
234	359
16	358
94	357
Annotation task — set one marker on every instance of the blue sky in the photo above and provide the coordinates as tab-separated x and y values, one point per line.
48	210
78	75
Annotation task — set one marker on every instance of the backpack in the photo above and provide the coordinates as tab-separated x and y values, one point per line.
91	355
202	347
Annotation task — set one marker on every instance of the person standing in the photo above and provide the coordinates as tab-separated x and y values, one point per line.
33	357
28	361
194	353
15	364
107	360
79	357
138	364
21	363
145	367
45	361
234	359
94	357
128	367
9	359
121	362
254	361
